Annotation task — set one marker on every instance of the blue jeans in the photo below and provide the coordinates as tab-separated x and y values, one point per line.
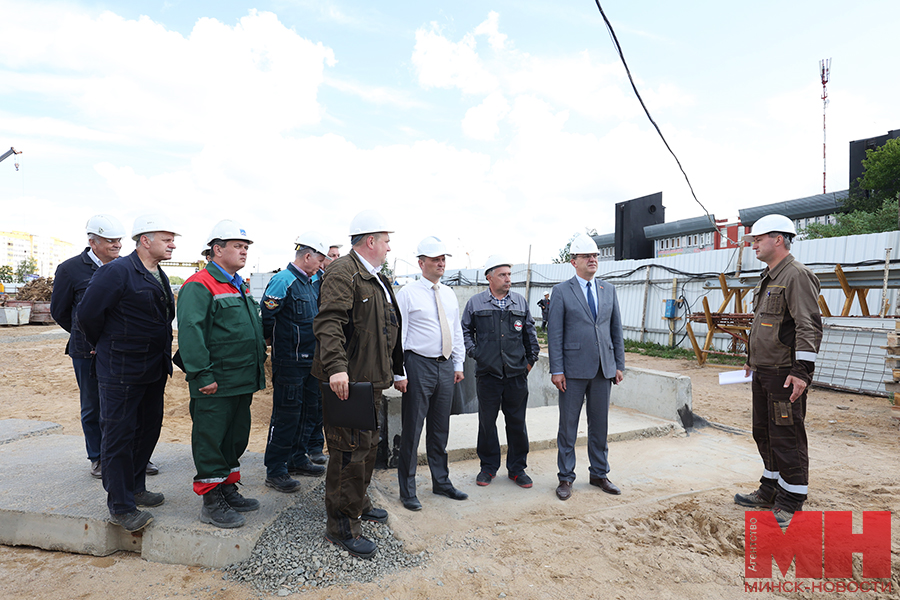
90	406
295	429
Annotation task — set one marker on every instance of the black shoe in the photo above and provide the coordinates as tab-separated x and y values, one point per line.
411	503
235	500
522	480
318	458
358	546
147	498
375	515
782	516
96	471
484	478
133	521
283	483
152	469
216	511
452	493
753	500
308	470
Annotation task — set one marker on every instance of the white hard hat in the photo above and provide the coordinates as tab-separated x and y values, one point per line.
583	244
335	245
228	230
369	221
105	226
313	240
771	224
432	247
150	223
496	260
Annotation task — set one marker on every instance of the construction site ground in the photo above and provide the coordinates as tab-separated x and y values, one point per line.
673	533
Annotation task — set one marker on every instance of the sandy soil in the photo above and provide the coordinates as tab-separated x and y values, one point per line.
648	543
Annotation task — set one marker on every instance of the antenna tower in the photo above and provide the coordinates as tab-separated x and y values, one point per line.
824	71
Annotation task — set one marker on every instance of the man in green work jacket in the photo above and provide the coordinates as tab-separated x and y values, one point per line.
221	344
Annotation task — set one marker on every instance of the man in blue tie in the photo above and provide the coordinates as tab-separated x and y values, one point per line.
587	355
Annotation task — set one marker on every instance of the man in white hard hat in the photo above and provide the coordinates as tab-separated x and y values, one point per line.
783	344
433	355
221	344
358	335
587	356
289	305
105	234
499	335
126	315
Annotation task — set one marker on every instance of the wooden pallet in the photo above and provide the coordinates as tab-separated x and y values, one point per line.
892	359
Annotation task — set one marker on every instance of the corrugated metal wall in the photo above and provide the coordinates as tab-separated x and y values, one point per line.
641	298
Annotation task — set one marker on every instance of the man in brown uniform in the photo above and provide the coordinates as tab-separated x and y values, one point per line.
358	335
784	340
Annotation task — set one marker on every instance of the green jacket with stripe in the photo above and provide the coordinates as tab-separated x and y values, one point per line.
220	335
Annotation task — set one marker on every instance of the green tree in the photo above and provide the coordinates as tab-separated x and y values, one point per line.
7	275
858	222
26	267
880	180
176	280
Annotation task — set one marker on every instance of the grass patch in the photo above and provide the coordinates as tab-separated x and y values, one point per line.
660	351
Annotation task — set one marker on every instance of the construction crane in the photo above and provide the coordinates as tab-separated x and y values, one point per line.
9	153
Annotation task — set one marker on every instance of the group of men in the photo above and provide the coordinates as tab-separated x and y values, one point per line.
344	323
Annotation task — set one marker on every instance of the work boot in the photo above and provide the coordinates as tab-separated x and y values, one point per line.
148	498
782	516
216	510
753	500
96	470
235	500
132	521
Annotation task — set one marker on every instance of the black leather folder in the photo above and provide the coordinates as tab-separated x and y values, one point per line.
356	412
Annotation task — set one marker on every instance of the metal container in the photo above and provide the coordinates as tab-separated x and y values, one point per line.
24	314
40	313
9	315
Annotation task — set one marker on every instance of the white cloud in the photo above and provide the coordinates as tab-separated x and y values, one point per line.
490	28
135	77
445	64
482	122
375	94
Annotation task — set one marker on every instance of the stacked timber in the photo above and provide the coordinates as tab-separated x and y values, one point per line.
892	358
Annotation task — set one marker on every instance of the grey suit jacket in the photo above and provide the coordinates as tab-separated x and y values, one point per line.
579	345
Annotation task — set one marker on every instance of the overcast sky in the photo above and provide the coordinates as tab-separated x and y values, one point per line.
492	124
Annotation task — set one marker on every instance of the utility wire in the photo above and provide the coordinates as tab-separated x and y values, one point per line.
615	40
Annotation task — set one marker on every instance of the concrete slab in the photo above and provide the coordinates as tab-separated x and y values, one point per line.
49	500
17	429
543	425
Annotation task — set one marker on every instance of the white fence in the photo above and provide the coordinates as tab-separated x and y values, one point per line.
644	285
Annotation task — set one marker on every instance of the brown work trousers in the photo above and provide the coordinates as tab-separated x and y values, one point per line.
351	460
780	435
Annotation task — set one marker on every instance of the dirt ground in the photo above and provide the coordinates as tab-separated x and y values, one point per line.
646	543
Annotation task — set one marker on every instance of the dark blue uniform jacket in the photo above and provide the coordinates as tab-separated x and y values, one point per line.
127	317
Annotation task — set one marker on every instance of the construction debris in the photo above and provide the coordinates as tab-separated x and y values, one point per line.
36	290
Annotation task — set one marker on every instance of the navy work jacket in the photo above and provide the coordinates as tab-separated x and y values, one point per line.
72	278
289	305
127	317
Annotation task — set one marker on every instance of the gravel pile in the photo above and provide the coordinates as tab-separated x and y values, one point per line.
293	555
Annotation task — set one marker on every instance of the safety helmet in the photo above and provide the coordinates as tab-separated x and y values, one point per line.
150	223
583	244
771	224
432	247
496	260
369	221
313	240
105	226
206	253
227	230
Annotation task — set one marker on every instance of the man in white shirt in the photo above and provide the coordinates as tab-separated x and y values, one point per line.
433	358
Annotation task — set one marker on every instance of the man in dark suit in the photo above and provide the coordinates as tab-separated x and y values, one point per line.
587	355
